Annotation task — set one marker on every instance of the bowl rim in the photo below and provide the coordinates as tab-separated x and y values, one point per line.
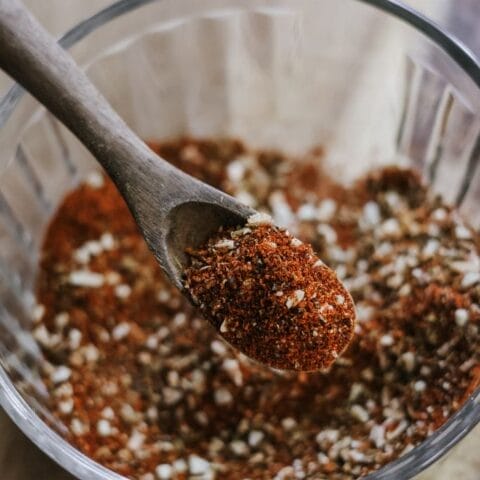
413	462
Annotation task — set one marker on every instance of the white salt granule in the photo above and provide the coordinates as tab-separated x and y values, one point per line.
295	299
60	374
461	317
95	180
121	331
255	437
225	243
258	219
223	396
86	278
164	471
123	291
104	428
198	465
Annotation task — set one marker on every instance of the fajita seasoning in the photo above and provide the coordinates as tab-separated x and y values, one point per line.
147	388
271	297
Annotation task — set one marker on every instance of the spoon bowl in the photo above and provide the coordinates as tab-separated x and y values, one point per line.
192	223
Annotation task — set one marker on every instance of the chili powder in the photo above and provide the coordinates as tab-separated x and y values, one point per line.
271	297
144	386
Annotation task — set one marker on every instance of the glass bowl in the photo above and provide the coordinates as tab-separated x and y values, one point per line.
372	81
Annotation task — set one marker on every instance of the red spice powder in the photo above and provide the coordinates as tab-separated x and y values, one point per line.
145	386
271	297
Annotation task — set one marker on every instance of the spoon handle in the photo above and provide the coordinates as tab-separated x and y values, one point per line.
31	56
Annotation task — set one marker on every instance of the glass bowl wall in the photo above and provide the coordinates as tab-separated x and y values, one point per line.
291	75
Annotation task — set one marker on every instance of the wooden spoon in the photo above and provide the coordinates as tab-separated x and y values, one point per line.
173	210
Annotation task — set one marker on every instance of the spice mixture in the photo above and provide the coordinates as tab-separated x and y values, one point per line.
148	389
271	297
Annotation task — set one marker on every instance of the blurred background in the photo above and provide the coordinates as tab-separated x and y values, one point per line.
21	460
